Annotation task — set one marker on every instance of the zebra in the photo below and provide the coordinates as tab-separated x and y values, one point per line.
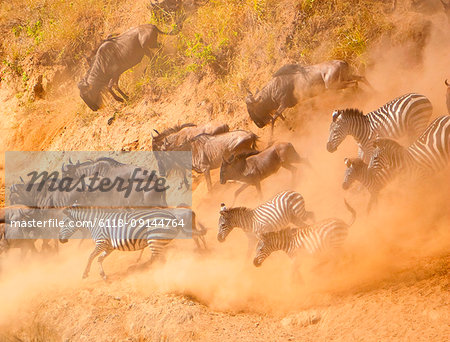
429	154
359	171
135	233
406	115
286	207
322	236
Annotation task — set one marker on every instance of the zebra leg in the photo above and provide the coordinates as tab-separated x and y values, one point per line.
251	244
100	246
372	202
140	256
258	188
100	262
296	274
156	246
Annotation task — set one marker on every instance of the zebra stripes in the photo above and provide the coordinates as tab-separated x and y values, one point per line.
359	171
430	153
318	237
121	230
406	115
285	208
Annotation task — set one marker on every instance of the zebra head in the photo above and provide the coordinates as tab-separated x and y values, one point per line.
272	242
387	154
69	227
341	126
229	219
354	171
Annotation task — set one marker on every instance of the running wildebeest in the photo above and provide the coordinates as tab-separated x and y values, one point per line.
13	236
252	167
448	95
294	83
209	150
114	56
172	138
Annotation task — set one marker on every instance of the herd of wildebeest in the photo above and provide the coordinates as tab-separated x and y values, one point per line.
282	222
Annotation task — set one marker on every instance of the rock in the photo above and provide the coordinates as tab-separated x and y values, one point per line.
302	319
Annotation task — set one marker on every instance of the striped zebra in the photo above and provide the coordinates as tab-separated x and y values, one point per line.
429	154
359	171
122	230
319	237
406	115
285	208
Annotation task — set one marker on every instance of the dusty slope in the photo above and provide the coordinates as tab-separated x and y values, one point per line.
392	282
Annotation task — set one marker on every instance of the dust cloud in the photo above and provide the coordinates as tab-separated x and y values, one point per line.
410	222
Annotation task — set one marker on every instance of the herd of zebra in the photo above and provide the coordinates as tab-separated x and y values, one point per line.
282	223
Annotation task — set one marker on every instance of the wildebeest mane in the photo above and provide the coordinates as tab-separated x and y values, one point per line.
289	69
174	129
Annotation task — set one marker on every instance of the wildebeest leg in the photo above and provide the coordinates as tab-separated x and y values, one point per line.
125	96
238	191
99	247
258	189
110	85
116	84
100	262
208	179
293	170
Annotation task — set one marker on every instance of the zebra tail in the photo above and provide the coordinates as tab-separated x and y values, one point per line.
352	211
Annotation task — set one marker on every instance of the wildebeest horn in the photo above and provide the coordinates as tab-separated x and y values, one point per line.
78	162
446	83
21	179
70	161
248	91
62	168
156	132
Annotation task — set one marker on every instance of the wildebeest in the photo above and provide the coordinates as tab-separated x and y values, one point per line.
294	83
448	94
106	167
114	56
208	151
252	167
358	170
172	138
15	236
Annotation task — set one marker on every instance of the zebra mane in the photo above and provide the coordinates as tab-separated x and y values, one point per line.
351	112
174	129
239	210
